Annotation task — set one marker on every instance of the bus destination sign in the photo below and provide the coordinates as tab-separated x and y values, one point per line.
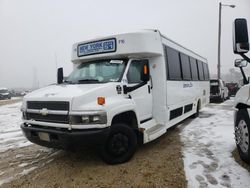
97	47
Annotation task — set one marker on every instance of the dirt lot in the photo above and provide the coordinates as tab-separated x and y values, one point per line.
157	164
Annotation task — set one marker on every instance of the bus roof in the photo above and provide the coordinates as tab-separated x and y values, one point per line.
146	43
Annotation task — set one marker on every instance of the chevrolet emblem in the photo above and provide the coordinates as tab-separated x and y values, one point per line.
44	112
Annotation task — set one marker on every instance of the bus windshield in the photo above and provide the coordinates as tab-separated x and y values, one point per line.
100	71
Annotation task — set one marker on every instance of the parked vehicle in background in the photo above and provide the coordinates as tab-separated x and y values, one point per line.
124	90
232	88
242	100
218	90
4	93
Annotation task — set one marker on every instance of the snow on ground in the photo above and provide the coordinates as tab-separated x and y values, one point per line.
17	159
208	143
10	132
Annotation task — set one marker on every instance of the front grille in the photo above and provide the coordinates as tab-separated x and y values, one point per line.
48	118
50	105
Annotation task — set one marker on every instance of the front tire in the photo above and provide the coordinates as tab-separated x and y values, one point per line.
242	138
120	144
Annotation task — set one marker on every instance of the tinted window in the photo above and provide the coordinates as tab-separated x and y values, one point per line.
185	67
174	68
134	72
206	72
194	70
200	70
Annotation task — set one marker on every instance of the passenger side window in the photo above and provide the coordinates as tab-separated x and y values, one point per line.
173	61
206	72
134	72
200	69
185	67
194	70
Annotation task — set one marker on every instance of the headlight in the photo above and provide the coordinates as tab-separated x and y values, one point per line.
99	118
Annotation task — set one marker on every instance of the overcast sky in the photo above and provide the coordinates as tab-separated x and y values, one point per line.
37	35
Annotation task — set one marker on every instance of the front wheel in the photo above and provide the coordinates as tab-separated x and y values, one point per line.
120	144
242	129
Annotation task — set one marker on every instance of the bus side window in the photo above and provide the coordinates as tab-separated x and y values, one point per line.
173	62
200	70
194	70
185	67
206	72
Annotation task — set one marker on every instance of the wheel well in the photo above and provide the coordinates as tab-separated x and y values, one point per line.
129	118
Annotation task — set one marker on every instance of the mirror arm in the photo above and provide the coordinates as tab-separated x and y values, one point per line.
245	57
245	81
127	89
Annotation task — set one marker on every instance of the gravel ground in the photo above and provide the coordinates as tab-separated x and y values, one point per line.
157	164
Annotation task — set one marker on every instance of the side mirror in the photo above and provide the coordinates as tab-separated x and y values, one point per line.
240	36
240	63
145	76
60	75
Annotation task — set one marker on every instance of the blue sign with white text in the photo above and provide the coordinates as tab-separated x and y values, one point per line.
97	47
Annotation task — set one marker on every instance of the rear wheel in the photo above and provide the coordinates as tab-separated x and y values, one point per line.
242	130
120	145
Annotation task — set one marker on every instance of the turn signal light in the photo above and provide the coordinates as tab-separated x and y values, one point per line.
145	69
101	100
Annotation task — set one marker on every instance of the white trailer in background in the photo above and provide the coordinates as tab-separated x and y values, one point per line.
124	89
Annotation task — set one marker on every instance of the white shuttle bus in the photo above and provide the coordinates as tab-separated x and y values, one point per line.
124	90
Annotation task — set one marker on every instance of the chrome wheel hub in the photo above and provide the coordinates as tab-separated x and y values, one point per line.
242	136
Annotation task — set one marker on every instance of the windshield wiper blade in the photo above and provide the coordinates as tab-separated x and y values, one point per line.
87	80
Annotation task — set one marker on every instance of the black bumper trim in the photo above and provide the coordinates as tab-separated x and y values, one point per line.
64	139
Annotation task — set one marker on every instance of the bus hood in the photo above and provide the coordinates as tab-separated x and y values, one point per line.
78	95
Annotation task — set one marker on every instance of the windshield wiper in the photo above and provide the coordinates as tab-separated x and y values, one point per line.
87	80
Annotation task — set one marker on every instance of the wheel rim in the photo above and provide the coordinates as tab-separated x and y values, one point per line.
118	144
242	136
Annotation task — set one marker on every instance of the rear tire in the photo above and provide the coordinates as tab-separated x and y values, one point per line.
242	138
120	144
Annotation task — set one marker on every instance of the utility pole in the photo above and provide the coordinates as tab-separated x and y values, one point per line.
219	38
219	41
